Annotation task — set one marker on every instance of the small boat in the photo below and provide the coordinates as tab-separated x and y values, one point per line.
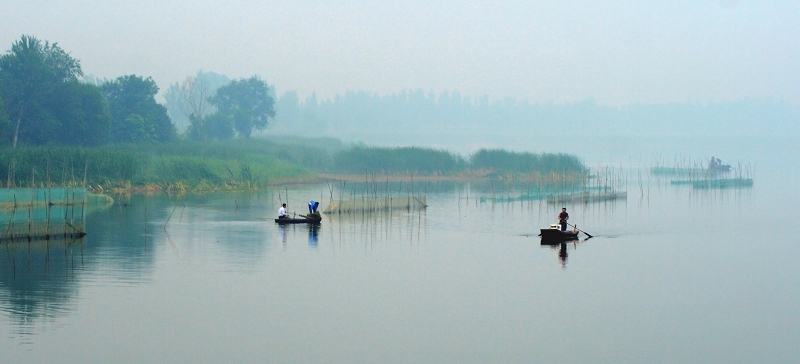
314	219
554	235
716	166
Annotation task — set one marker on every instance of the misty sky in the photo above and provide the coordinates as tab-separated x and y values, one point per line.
615	52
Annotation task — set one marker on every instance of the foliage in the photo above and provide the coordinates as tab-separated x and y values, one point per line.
246	103
397	160
190	97
212	127
499	160
228	164
430	161
136	115
218	127
4	122
85	113
42	99
62	165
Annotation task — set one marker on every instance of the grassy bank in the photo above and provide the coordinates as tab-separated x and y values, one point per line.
254	163
181	166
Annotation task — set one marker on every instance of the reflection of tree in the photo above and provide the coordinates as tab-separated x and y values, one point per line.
40	280
119	233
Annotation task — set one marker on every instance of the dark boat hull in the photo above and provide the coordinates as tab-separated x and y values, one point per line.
553	236
298	221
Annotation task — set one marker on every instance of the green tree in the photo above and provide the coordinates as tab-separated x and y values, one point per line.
197	130
218	127
86	119
246	103
31	74
136	115
4	122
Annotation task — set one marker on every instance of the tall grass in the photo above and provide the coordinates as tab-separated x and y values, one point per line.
189	164
252	163
506	162
401	160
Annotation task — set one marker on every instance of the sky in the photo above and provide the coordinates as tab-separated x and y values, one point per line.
559	51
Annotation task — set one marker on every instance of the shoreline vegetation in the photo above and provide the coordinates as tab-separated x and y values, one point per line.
253	164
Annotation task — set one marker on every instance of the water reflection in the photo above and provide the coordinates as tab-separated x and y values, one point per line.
297	232
563	248
39	280
282	233
313	235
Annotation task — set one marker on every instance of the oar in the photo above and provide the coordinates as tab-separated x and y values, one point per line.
576	228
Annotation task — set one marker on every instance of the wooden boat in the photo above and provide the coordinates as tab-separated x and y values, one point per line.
314	219
556	236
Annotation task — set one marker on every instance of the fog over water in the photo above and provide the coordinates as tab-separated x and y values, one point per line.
613	52
673	274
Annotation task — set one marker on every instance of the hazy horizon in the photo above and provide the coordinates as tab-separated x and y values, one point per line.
614	53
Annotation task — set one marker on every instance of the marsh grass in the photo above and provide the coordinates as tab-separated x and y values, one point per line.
256	163
187	166
399	160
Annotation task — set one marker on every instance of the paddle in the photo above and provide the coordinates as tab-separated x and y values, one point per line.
576	228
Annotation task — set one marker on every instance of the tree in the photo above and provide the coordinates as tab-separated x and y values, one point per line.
86	119
137	117
5	124
246	103
30	75
218	127
190	97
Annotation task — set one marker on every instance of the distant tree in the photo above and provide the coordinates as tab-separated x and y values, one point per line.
197	129
190	97
31	74
137	130
218	127
137	117
246	103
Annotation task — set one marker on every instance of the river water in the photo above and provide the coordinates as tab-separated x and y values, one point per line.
672	274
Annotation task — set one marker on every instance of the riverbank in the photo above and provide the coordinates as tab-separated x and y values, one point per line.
252	164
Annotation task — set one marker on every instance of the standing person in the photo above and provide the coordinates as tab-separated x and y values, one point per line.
282	212
562	218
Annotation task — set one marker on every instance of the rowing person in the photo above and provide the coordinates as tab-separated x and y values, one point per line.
562	218
282	214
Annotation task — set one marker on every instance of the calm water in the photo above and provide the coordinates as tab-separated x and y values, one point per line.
672	275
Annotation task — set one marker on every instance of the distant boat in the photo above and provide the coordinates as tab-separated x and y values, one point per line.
554	235
716	165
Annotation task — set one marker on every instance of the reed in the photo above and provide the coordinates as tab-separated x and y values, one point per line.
501	162
401	160
188	166
699	174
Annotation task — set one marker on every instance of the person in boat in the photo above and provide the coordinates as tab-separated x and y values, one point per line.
282	214
562	218
715	163
312	207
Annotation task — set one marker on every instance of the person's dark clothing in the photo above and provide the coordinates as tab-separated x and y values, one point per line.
562	219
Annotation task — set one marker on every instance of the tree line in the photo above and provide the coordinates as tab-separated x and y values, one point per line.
44	101
422	117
